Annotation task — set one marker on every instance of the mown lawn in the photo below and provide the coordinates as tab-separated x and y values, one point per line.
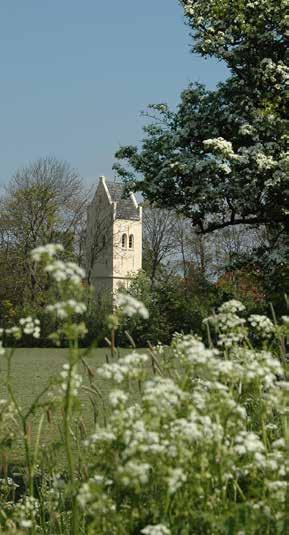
31	370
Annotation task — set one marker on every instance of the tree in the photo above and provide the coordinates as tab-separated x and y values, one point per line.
222	159
44	202
158	243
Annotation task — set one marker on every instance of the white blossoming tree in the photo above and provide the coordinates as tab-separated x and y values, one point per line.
222	158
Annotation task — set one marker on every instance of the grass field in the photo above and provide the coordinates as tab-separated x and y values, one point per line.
31	370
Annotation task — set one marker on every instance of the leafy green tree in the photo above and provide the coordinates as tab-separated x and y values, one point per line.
174	303
222	158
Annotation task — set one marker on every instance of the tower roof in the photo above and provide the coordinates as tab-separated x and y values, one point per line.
126	207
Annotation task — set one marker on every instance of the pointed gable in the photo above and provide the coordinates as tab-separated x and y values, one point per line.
126	207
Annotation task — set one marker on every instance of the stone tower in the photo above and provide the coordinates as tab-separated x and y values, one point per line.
113	238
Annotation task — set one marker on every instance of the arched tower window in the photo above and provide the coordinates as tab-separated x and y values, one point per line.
131	241
103	241
124	241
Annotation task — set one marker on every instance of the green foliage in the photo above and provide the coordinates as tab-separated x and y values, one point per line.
174	304
222	158
192	439
96	318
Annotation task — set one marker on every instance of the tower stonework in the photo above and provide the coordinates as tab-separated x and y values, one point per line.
113	238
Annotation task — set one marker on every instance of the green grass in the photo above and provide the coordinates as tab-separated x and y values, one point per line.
31	370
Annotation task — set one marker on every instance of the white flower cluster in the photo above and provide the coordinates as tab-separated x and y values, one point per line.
262	325
100	435
131	366
232	307
247	129
131	306
248	443
264	161
65	271
31	326
162	394
157	529
26	512
117	398
285	320
14	331
8	419
276	73
176	479
59	270
220	146
134	473
193	430
87	491
69	374
232	329
65	309
141	439
190	349
46	251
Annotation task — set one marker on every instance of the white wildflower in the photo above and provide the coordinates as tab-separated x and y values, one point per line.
130	366
65	271
279	444
262	325
14	331
176	479
134	473
46	251
131	306
140	439
100	435
71	375
64	309
232	306
117	397
162	395
30	326
248	442
25	523
157	529
84	495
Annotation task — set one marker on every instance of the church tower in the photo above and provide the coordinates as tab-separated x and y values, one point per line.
113	238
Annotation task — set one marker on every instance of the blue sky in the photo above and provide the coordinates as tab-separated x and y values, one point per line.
75	76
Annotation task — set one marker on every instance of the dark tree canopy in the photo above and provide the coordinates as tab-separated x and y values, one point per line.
222	158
